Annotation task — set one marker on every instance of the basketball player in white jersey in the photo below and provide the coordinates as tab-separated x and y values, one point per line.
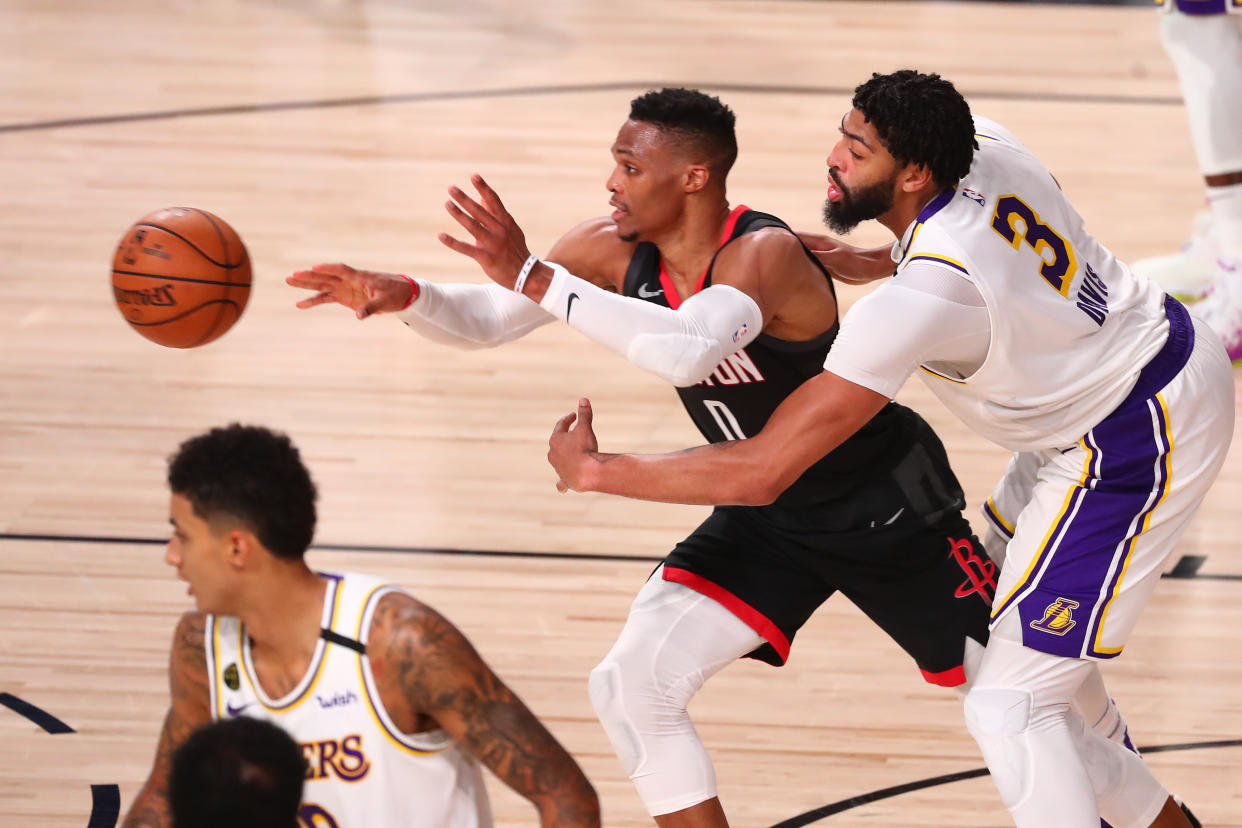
1203	38
1036	336
727	305
393	709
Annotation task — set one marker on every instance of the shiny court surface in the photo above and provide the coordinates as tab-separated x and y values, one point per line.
328	131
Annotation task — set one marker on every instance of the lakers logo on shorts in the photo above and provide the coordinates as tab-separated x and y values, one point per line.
1058	617
230	677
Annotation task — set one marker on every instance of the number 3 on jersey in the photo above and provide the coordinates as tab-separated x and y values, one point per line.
1060	269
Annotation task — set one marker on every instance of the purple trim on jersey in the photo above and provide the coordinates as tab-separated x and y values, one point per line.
936	205
1165	365
997	522
939	260
1202	6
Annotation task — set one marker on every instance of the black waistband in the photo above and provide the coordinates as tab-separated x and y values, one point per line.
1165	365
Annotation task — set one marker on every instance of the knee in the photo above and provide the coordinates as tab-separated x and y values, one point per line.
997	711
998	717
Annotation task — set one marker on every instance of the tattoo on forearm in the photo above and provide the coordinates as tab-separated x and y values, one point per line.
441	675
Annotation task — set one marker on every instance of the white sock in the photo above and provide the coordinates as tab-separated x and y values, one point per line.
1226	207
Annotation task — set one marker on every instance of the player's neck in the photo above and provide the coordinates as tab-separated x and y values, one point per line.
284	612
687	248
906	208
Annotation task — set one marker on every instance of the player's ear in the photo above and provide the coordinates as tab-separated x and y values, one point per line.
242	547
695	177
915	177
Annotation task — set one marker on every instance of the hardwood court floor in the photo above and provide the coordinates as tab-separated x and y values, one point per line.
329	131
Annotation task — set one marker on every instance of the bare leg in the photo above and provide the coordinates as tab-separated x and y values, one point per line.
707	814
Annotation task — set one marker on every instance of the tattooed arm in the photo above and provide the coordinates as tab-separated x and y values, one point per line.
426	669
189	710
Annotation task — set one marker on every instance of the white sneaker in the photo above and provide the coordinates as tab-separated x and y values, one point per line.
1222	307
1188	273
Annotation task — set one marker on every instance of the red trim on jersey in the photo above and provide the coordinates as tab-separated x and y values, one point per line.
749	616
949	678
670	292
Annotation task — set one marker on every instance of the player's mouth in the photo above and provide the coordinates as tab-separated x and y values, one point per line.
618	211
835	191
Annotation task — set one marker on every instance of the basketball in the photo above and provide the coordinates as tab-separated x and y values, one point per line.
181	277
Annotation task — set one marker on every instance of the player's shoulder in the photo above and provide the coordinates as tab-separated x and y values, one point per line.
190	634
595	237
769	249
594	251
399	616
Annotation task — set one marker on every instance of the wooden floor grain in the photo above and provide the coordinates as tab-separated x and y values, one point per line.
329	131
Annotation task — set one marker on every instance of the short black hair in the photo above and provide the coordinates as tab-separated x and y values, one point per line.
243	772
694	116
252	475
921	119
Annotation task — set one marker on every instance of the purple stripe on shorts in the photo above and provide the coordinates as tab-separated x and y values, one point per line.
1061	614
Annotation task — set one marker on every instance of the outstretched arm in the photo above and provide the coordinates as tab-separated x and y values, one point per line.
189	710
426	665
812	421
850	264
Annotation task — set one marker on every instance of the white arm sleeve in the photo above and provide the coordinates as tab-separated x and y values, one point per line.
925	314
472	316
683	346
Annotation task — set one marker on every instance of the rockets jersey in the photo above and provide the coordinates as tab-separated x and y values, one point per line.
1071	325
362	772
737	399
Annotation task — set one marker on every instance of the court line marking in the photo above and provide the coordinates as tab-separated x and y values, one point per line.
824	811
1187	567
563	89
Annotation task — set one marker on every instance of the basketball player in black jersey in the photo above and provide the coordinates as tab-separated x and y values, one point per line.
728	305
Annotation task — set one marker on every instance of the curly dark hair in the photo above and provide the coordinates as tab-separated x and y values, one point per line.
251	475
243	772
697	118
921	119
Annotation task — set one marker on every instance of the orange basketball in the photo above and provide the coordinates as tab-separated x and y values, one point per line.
181	277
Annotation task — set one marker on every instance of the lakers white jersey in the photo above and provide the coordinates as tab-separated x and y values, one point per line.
362	772
1071	325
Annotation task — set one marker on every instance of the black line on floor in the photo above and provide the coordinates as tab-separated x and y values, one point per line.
105	806
38	715
897	790
349	547
567	89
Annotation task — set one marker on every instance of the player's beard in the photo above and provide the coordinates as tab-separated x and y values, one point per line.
858	205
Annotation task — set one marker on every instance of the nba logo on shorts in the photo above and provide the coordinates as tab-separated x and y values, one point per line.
1058	617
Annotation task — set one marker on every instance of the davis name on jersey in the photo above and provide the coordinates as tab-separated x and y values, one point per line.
1071	325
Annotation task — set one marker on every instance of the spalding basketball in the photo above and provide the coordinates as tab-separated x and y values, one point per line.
181	277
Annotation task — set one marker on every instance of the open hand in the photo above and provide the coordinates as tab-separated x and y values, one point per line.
500	245
363	291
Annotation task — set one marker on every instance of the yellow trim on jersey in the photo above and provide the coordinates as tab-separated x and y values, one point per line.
215	659
939	375
999	517
321	647
366	686
1167	462
992	138
1052	527
936	257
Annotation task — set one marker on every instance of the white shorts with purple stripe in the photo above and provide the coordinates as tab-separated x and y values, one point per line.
1090	527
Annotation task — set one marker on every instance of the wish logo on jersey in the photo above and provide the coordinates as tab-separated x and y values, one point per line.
1058	617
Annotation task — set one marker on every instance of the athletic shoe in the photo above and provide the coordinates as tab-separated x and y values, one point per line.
1222	308
1187	274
